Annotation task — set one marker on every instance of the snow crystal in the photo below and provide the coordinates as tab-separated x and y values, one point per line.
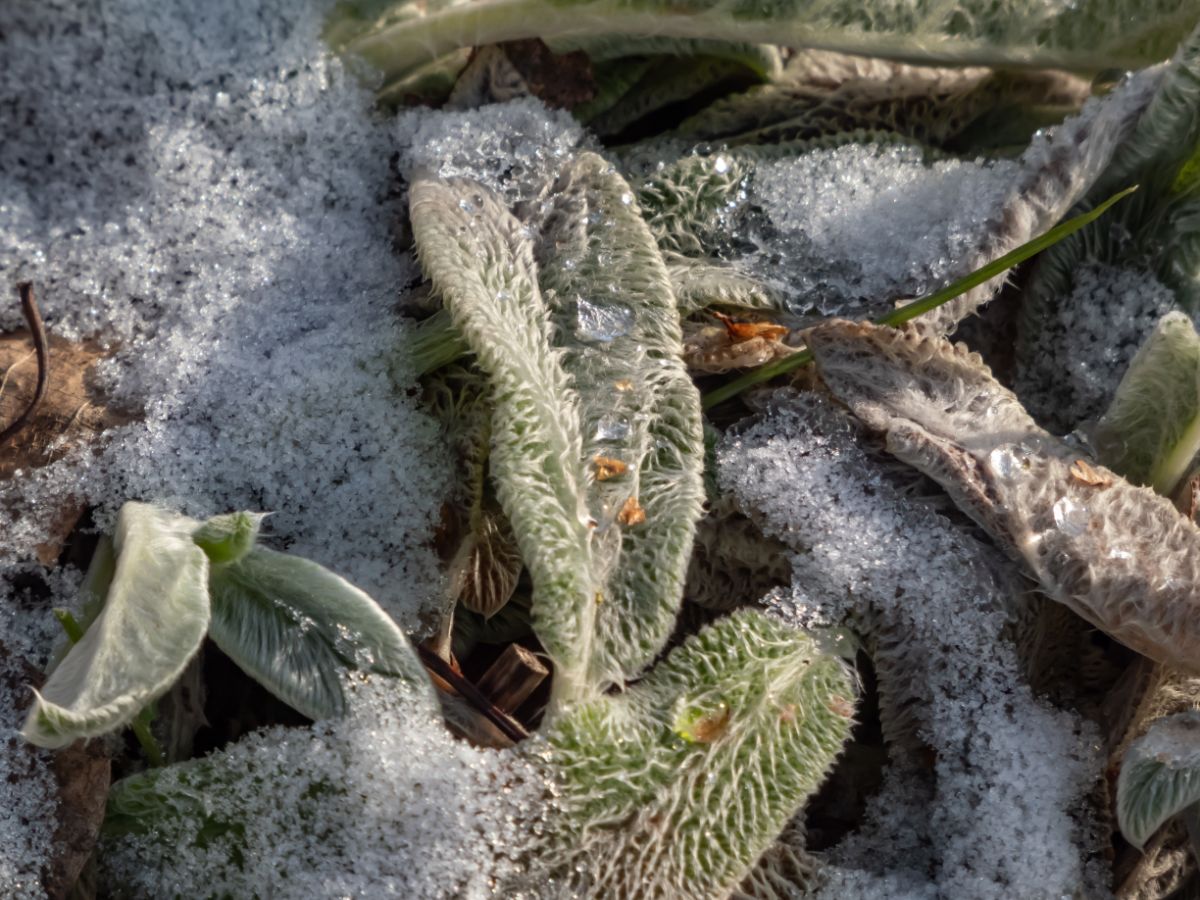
1070	365
383	803
514	147
204	188
857	226
1010	772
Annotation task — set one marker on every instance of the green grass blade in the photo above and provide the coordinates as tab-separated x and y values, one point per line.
924	304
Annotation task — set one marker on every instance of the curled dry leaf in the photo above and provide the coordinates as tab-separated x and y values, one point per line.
711	350
1120	556
631	513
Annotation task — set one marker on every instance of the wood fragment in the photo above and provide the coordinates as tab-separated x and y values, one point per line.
509	727
514	675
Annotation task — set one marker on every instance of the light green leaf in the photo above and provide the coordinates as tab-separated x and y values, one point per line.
1090	34
297	629
227	538
676	787
152	622
1151	431
480	259
1160	776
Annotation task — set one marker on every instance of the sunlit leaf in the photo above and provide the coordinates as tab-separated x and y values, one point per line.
298	629
153	621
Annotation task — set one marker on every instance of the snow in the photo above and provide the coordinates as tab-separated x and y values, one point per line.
1071	364
403	809
857	226
999	815
203	188
28	793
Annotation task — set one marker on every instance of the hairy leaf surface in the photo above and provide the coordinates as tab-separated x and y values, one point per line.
153	620
1160	776
1120	556
1151	431
1090	34
297	629
675	788
611	299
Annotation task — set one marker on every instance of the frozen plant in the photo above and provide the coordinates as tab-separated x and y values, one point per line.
165	581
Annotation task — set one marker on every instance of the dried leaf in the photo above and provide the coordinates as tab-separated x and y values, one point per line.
1083	472
710	350
740	332
1122	557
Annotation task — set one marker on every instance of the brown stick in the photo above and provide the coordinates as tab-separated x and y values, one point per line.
38	331
514	675
511	728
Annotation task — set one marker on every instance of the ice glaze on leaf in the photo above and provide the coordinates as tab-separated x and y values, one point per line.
1160	776
1151	431
297	628
1120	556
153	621
610	296
676	787
1090	34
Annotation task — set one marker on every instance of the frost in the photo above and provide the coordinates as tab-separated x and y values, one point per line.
857	224
382	803
1072	363
203	188
997	819
511	147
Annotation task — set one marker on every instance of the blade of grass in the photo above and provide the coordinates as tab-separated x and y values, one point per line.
924	304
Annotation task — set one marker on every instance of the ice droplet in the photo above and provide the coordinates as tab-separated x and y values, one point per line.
602	323
611	428
1070	516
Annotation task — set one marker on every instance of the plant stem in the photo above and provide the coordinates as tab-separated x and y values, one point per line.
926	303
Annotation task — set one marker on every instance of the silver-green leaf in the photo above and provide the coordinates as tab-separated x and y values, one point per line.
1151	431
298	629
1160	776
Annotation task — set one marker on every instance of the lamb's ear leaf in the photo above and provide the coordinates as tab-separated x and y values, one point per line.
727	736
1151	431
610	295
1090	34
1161	226
480	259
227	538
1160	776
152	622
297	629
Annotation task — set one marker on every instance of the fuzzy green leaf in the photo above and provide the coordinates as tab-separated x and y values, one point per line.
297	629
1090	34
676	787
1160	776
1151	431
480	259
153	621
610	295
227	538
